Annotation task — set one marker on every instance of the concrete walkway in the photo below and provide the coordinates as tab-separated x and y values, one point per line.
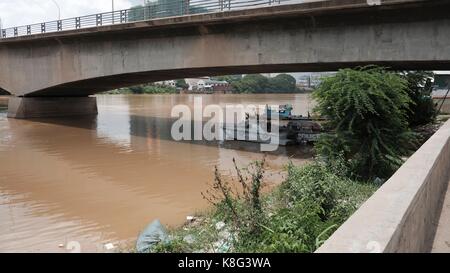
442	238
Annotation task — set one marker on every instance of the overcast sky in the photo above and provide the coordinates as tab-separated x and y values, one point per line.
24	12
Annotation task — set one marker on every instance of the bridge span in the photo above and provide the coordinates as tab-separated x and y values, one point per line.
54	73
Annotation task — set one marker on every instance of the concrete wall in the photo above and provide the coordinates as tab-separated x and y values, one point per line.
22	108
320	36
402	215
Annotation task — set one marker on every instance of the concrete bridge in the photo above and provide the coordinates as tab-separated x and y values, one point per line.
53	74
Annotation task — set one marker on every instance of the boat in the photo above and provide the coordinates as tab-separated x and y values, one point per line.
284	111
293	130
306	130
257	134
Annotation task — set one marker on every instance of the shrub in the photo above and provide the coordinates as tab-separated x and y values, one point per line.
182	84
421	109
242	208
252	83
298	216
257	83
367	114
283	83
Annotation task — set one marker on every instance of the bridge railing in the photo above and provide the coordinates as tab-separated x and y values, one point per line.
160	9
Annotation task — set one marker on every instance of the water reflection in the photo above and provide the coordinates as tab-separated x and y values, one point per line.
102	179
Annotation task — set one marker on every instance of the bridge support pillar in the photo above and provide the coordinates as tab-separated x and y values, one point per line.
42	107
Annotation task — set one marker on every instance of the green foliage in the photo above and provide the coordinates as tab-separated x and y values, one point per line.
231	79
257	83
243	209
283	83
308	207
421	109
182	84
159	89
253	83
367	109
298	216
145	89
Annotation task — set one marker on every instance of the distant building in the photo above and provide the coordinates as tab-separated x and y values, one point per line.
441	84
441	79
207	85
304	83
441	95
193	83
213	86
167	83
311	80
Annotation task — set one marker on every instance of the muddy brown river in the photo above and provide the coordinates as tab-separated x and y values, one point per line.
69	184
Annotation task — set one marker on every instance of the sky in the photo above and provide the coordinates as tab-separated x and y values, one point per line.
23	12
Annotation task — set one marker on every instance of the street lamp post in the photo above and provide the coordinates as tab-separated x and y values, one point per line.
112	4
145	9
59	9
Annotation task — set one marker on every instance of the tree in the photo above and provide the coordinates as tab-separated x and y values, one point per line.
367	112
182	84
253	83
257	83
138	89
421	109
283	83
229	78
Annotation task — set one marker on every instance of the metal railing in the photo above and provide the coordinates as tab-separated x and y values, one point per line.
160	9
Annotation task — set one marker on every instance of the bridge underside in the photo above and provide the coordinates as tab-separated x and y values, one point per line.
320	36
93	86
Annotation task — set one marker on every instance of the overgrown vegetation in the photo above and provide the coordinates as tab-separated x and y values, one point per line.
367	110
257	83
182	84
145	89
421	109
298	216
370	112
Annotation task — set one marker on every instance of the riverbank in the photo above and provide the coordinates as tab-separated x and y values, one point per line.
370	135
296	216
312	202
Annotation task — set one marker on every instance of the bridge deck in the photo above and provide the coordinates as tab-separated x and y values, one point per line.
442	238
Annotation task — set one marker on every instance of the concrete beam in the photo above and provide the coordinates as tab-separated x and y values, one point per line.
319	36
402	215
308	8
26	108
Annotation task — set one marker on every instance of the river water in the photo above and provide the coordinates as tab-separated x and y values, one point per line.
90	181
